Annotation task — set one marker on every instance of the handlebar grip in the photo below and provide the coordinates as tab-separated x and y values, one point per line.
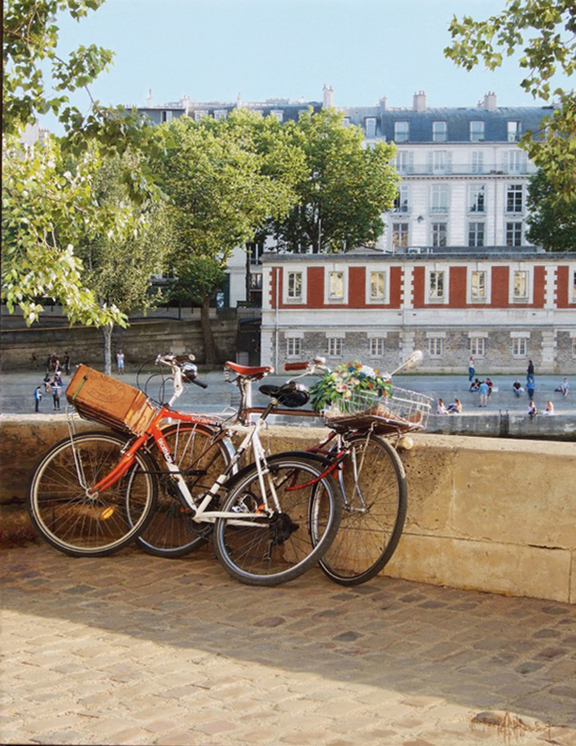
295	366
200	383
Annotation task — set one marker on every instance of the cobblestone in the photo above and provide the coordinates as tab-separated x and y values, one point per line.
137	650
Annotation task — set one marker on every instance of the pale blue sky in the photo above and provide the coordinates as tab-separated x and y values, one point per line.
215	49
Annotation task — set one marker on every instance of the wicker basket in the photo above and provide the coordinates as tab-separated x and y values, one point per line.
401	410
104	399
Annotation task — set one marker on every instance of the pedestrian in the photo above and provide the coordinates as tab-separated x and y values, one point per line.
471	368
56	389
66	361
47	383
484	391
120	362
517	388
490	385
530	369
530	387
37	398
532	410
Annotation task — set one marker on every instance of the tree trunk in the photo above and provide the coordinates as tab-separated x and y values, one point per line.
209	344
107	333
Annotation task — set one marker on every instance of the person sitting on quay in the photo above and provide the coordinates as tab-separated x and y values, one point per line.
441	407
532	410
517	388
549	409
475	385
455	407
563	387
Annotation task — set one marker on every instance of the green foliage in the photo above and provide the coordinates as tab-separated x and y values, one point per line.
552	222
340	387
46	208
545	31
343	187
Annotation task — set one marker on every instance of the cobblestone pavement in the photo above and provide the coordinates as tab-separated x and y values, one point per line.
133	649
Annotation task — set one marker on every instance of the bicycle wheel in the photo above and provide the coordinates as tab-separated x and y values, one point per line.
373	481
261	549
201	459
81	524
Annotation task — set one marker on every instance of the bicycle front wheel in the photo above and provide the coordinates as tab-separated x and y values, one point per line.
201	457
74	520
259	548
373	481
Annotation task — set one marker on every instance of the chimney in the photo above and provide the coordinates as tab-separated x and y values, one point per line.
419	101
186	103
327	97
149	97
384	103
490	101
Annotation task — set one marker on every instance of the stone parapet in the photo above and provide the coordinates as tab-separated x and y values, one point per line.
493	515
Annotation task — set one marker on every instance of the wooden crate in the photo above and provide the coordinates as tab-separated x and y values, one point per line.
104	399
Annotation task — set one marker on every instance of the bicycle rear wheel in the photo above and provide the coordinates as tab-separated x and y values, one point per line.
69	517
201	458
261	549
373	480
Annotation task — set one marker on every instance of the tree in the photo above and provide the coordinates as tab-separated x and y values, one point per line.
217	178
45	210
544	30
119	267
552	222
343	189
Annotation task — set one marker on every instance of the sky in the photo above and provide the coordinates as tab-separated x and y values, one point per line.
215	50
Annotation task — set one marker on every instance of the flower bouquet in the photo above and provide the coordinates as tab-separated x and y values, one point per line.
350	387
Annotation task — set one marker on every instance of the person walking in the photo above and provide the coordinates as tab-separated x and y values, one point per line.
530	387
37	398
66	362
530	370
484	391
56	389
471	368
120	362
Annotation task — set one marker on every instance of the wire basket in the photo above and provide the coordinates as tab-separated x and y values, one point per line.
401	410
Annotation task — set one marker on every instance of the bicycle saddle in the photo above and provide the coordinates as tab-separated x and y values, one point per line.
248	371
290	394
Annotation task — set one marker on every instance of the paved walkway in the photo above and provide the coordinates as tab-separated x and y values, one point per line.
137	650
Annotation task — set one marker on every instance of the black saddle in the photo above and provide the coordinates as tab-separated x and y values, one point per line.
290	394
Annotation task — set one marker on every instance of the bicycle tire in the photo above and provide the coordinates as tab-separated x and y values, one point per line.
80	525
369	533
171	532
269	550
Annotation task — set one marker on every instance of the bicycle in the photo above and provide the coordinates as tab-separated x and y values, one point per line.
93	493
369	472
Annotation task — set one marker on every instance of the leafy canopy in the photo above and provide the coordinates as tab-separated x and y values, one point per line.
552	222
544	31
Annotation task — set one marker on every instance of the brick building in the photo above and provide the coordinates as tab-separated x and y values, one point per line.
504	307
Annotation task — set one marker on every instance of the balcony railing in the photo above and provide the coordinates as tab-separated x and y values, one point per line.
467	170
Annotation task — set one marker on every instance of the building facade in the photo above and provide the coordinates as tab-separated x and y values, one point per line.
502	307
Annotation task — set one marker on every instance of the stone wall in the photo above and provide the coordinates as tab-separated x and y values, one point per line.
484	514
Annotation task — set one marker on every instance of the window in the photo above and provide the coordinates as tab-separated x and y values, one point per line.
435	346
477	162
476	131
401	202
513	131
378	286
294	286
166	116
370	123
278	114
477	346
436	285
477	200
439	162
404	162
439	234
515	162
519	347
401	131
256	281
376	347
513	234
399	235
573	298
514	198
439	198
336	285
475	234
334	346
574	347
347	121
520	285
478	286
199	114
439	131
220	114
293	346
